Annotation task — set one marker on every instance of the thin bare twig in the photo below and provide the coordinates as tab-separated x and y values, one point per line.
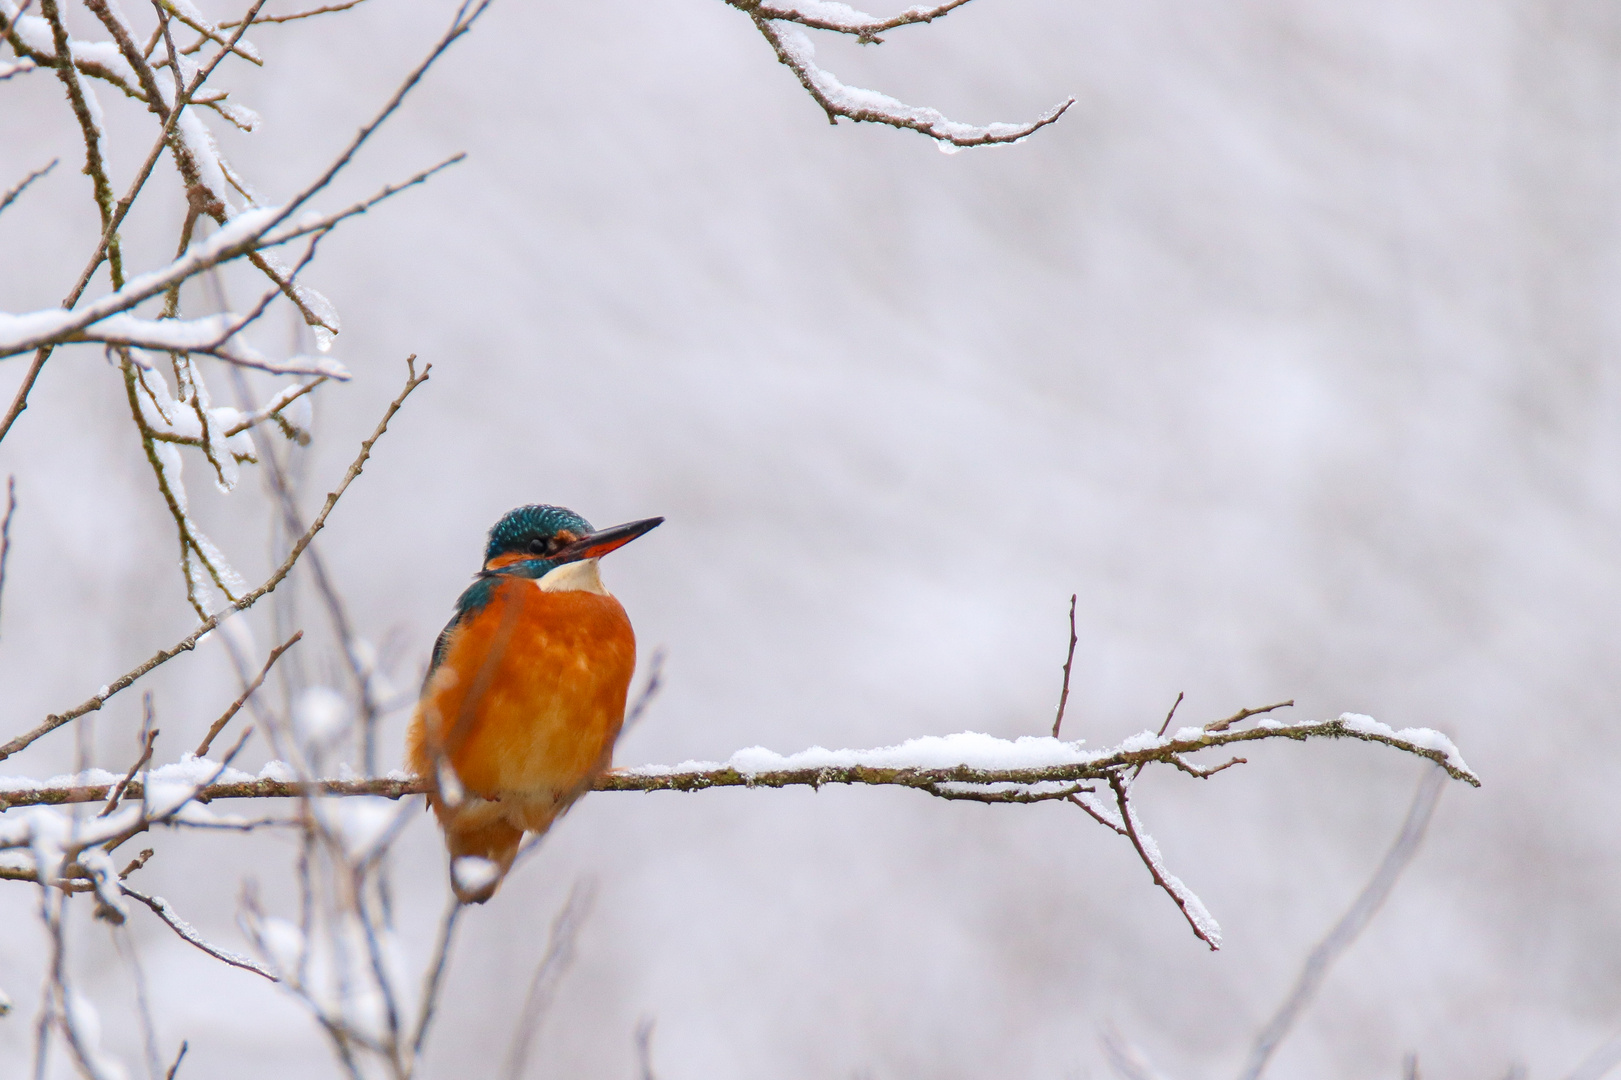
219	725
5	532
1243	714
650	689
1351	924
189	642
22	185
1127	1061
178	1058
311	13
644	1048
149	736
1069	659
1163	728
435	978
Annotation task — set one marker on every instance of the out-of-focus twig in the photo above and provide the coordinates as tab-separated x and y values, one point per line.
1351	924
5	532
549	973
650	689
22	185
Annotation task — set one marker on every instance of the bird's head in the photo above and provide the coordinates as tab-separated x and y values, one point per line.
531	541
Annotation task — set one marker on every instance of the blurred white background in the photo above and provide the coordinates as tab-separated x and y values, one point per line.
1291	349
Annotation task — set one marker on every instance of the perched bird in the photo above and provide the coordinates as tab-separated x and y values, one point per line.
525	692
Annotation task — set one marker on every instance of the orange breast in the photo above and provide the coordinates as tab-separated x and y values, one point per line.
529	698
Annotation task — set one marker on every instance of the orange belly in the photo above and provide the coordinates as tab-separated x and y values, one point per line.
524	708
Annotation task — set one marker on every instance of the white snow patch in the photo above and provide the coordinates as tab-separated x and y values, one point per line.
471	873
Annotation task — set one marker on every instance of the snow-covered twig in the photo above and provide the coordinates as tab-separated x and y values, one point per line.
844	19
1204	927
793	48
162	909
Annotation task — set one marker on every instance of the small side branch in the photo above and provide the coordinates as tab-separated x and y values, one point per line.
1069	659
160	907
842	19
258	680
1199	920
794	49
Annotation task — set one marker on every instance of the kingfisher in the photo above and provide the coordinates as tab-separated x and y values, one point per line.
525	691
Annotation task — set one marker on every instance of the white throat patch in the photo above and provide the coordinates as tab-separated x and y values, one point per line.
579	576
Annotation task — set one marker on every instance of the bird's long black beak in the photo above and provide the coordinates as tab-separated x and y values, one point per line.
599	543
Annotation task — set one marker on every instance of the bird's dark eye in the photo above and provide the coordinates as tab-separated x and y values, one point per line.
539	546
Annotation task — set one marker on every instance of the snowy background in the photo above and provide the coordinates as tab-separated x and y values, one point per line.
1291	349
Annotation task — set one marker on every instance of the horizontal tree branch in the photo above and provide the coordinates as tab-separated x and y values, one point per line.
1063	778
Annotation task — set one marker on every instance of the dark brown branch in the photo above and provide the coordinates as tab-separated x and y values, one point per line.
1069	659
189	642
218	725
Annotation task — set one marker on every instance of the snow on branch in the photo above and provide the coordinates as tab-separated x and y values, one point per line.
781	27
965	765
968	766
